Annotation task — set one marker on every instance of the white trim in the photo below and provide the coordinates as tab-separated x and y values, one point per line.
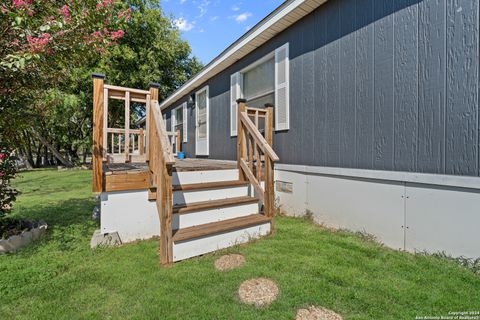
185	122
411	177
204	89
235	93
243	46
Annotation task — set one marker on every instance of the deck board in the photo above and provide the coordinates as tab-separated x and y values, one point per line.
180	166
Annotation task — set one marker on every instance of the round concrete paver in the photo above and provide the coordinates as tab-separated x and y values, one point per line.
317	313
229	262
259	292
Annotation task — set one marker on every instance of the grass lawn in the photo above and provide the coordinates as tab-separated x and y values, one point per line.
60	277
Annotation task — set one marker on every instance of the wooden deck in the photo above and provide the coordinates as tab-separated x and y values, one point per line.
180	166
134	176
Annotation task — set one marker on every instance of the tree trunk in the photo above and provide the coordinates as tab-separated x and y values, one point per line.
57	154
25	160
38	158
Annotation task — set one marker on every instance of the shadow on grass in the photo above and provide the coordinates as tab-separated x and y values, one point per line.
70	225
63	213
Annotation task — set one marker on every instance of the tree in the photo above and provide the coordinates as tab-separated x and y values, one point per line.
42	39
50	96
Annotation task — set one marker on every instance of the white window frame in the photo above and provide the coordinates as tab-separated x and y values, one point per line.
206	90
286	85
252	66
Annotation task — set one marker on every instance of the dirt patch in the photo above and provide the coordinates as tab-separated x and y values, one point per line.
229	262
259	292
317	313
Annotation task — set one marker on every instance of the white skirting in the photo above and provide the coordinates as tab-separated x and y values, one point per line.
402	214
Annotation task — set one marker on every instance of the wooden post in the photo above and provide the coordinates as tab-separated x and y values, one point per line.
166	234
105	124
127	127
147	125
141	142
269	203
240	139
98	123
269	124
150	132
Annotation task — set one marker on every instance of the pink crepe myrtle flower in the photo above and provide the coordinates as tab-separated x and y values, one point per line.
20	4
104	4
115	35
125	15
38	44
2	156
65	12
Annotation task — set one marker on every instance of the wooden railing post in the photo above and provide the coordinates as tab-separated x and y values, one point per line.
141	142
269	166
150	138
127	127
98	139
241	143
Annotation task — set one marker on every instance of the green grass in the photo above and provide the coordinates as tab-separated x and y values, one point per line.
60	277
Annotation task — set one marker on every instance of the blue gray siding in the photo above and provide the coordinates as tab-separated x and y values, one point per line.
374	84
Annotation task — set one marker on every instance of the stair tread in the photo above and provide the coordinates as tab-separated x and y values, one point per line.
219	227
211	204
209	185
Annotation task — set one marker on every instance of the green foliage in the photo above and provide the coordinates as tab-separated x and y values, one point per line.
60	277
51	89
8	171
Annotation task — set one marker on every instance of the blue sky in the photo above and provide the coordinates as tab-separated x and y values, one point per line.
212	25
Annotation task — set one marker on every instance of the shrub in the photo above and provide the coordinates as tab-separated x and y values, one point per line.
8	171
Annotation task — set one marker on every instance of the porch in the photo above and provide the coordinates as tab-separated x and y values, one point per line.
194	205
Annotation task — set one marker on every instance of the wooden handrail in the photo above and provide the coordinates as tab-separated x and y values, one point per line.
259	139
252	146
160	163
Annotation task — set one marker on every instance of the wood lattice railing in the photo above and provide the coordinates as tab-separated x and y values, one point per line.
255	155
160	163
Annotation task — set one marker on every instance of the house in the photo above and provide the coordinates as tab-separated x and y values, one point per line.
375	114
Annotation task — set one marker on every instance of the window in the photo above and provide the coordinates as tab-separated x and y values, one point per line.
259	84
265	81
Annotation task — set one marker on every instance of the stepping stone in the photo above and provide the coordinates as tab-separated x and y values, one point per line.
229	262
317	313
258	292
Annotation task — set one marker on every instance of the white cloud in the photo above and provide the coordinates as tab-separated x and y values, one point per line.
243	17
235	8
183	1
213	18
183	24
203	7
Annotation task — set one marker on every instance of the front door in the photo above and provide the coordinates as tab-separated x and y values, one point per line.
201	102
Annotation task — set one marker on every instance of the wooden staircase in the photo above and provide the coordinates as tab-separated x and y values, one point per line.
200	211
214	215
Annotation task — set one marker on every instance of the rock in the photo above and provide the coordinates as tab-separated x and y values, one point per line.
17	241
96	213
107	240
5	246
